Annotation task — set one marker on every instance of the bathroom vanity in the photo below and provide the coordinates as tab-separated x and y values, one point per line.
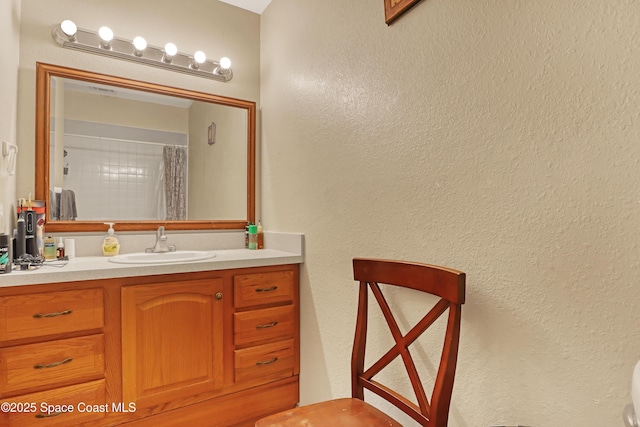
209	343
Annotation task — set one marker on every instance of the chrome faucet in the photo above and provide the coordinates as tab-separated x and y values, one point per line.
161	243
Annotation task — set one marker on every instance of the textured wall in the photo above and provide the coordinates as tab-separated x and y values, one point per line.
496	137
10	35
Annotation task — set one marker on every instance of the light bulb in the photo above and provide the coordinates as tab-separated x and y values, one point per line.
170	50
69	28
225	63
200	57
139	44
105	34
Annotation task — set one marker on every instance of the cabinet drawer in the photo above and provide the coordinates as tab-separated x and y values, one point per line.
265	362
51	364
262	288
259	326
39	409
38	315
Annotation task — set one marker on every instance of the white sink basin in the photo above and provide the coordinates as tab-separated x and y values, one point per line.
161	257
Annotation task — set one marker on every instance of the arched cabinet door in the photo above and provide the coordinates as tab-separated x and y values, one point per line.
172	341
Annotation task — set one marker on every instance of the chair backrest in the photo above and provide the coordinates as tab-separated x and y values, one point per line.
449	285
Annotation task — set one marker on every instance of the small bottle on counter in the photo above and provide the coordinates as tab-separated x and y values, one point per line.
246	234
6	260
260	236
49	248
60	250
253	237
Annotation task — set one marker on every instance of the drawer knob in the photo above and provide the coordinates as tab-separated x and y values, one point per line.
272	288
52	365
59	313
267	362
219	296
267	325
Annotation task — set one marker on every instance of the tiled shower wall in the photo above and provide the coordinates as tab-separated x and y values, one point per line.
115	177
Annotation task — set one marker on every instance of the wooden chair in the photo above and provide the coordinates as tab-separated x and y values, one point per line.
445	283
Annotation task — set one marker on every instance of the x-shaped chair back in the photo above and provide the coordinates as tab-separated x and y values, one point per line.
449	285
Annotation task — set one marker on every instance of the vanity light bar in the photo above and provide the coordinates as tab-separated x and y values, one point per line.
69	36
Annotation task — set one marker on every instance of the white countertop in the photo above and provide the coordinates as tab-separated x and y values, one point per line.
288	250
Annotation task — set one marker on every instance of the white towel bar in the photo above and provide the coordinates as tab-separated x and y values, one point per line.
10	151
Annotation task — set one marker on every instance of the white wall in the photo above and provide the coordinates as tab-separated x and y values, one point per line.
10	36
498	138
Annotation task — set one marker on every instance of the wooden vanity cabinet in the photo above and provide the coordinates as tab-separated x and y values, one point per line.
216	348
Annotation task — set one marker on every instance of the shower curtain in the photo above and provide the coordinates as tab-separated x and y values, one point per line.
175	182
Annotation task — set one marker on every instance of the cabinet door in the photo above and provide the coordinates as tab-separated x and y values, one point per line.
172	338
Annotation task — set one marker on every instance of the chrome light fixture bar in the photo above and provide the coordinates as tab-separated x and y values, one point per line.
68	35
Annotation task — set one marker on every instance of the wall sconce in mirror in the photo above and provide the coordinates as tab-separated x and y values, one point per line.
68	35
211	135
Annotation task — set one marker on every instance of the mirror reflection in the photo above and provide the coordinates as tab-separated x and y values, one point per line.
121	153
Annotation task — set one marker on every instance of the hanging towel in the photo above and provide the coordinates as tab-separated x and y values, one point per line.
68	205
175	166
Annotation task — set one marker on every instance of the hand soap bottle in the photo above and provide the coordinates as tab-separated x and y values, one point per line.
110	244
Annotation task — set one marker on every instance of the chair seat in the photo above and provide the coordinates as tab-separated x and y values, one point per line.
346	412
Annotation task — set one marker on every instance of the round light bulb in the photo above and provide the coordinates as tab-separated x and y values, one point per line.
139	43
225	63
105	34
69	27
200	57
170	49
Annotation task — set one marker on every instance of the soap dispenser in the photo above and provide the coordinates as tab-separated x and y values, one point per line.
110	244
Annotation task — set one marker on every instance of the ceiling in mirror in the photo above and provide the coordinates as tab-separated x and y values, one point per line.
140	154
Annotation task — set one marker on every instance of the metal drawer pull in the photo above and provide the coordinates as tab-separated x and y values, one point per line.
53	414
60	313
52	365
267	325
267	362
273	288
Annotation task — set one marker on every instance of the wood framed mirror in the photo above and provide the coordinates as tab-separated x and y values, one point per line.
111	149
